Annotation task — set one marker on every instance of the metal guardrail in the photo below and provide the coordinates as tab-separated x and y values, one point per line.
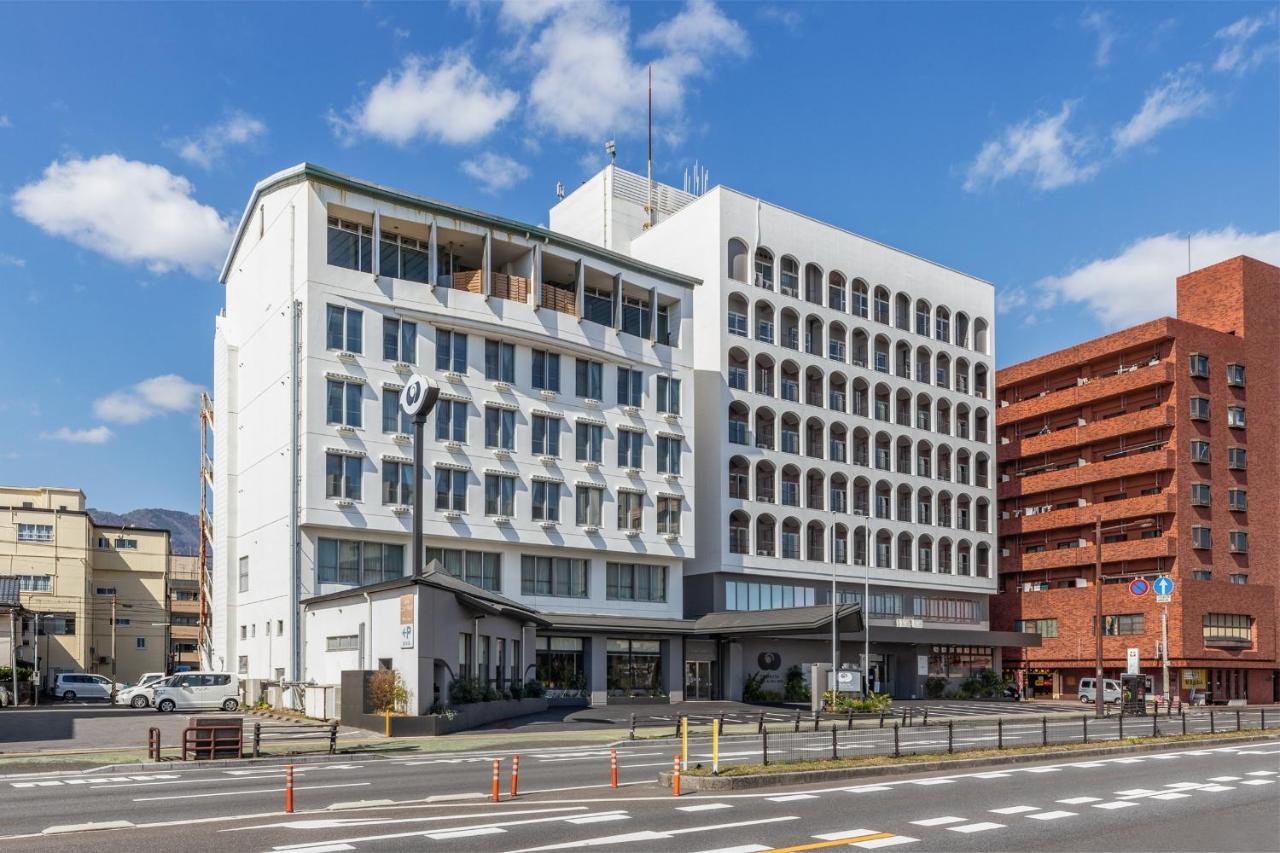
283	732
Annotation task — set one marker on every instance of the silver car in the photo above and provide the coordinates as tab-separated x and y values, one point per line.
80	685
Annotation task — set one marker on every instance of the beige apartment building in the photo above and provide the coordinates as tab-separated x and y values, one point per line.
76	577
185	618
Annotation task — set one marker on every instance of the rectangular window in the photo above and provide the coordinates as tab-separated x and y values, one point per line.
397	483
1199	365
35	583
399	340
126	544
562	577
588	379
1239	578
342	476
630	510
1237	500
1238	541
1228	629
597	306
1235	375
635	582
405	257
1200	494
394	418
1122	624
1201	537
668	395
635	316
1202	574
35	532
589	501
1043	627
343	643
1235	417
499	428
669	515
945	609
546	370
499	495
630	386
737	324
499	361
342	403
478	568
451	351
1237	459
668	331
589	442
451	421
669	452
350	245
546	435
344	329
244	574
1199	408
451	490
743	595
546	501
355	563
1200	451
630	449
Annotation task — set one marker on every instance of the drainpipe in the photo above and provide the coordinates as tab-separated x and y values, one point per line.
368	633
295	534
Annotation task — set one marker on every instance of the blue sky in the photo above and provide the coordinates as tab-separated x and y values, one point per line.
1062	151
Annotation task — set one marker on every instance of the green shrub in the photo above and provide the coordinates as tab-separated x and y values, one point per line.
935	686
794	689
387	692
843	703
464	691
533	690
752	689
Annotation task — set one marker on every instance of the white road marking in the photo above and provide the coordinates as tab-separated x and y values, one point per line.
932	781
867	789
1136	792
991	775
598	818
248	793
1079	801
1015	810
1224	778
1262	773
1170	795
1042	769
1117	804
884	842
1089	764
744	848
791	798
1257	781
1051	815
976	827
327	848
848	833
1217	788
1126	760
650	835
445	834
704	807
939	821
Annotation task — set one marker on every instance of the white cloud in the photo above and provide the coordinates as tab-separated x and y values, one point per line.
129	211
787	16
4	120
1010	299
151	397
12	261
1179	96
237	128
452	102
1239	54
1041	147
93	435
1139	283
1099	22
588	83
495	172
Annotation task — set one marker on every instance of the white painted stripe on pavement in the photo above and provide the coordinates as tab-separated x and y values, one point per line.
1117	804
1051	815
445	834
1043	769
848	833
1218	788
248	793
884	842
990	775
976	827
932	781
868	789
1262	773
1258	781
1126	760
598	818
704	807
939	821
1015	810
327	848
1224	778
791	798
1079	801
743	848
1170	795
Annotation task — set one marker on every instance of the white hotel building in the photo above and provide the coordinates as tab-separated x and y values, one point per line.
836	379
559	466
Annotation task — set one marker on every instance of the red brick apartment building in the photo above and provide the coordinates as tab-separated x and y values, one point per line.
1169	433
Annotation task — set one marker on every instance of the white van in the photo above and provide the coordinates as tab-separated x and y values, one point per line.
139	695
79	685
1110	690
197	690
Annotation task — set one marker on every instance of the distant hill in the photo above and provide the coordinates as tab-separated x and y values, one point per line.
183	527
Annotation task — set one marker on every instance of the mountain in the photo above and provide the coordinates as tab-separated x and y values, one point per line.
183	527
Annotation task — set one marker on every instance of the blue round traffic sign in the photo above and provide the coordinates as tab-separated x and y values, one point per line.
1163	585
1139	586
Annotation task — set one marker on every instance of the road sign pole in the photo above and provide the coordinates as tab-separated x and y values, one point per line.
1164	651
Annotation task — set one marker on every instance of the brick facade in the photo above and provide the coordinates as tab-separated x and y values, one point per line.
1104	430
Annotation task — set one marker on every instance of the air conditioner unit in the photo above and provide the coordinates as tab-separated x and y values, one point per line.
1028	587
1004	404
1004	439
1004	552
1004	478
1004	515
1082	582
1031	510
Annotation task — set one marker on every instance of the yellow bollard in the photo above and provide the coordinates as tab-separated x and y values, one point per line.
715	747
684	743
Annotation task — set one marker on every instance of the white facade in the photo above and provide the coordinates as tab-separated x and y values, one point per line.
313	344
836	377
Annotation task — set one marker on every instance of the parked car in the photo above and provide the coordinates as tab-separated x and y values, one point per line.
79	685
139	695
1110	690
197	690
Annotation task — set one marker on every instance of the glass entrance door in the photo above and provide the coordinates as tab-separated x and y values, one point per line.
697	680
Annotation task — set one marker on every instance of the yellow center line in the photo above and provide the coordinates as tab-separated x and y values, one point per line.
818	845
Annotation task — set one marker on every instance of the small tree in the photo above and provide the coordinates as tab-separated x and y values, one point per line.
387	692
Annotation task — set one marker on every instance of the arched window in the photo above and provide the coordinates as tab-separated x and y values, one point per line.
813	386
790	485
964	558
903	512
924	507
884	452
944	462
813	438
922	318
765	437
840	544
903	414
790	433
739	532
836	345
884	500
964	507
764	375
813	335
790	381
980	425
766	536
737	315
944	370
789	329
739	482
925	554
924	456
882	305
942	324
882	412
764	268
837	393
766	477
980	342
962	375
980	381
882	354
962	329
860	301
981	464
944	509
839	493
944	417
738	423
902	312
904	552
963	467
764	322
860	348
815	489
982	515
962	421
791	539
884	551
739	369
984	560
944	556
861	398
902	360
812	284
861	450
836	292
924	358
738	260
790	281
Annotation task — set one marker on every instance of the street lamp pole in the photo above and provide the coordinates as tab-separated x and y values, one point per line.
1099	687
835	624
417	400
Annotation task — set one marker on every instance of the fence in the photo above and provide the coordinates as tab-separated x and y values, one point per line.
289	733
841	738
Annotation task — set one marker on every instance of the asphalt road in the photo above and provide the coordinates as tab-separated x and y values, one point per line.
1221	799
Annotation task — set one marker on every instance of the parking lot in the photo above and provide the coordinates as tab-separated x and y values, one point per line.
66	726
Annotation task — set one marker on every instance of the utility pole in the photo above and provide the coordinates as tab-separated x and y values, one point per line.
1164	651
1099	687
36	678
113	648
13	651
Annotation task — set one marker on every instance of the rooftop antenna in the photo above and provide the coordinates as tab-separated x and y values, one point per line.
559	190
648	199
611	148
686	178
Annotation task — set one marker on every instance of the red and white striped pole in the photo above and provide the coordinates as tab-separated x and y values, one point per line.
288	789
515	774
675	776
497	762
613	767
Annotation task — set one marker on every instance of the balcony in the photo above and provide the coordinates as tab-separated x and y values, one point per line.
513	287
1090	391
472	281
560	297
1113	552
1092	472
1126	424
1139	507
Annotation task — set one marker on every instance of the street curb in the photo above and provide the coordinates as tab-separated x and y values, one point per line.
806	777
